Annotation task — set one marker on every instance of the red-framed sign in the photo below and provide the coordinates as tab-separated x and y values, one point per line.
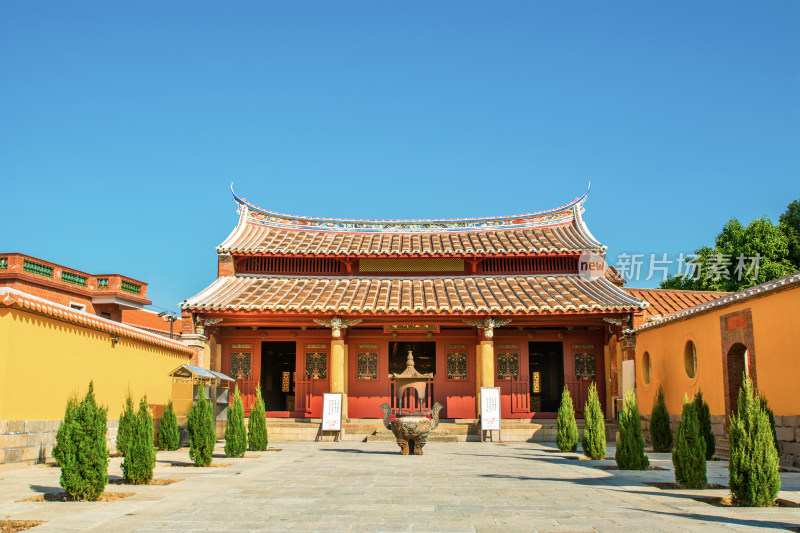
411	328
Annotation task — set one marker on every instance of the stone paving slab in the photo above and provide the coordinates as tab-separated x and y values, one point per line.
350	486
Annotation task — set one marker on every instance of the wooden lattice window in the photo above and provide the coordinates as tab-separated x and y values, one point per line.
507	365
317	365
367	365
241	364
456	365
585	367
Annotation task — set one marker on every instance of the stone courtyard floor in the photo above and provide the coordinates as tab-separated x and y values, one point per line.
349	486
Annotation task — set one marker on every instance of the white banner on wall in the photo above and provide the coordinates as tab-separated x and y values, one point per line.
490	408
332	411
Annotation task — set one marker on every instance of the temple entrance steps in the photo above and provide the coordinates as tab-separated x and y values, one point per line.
449	430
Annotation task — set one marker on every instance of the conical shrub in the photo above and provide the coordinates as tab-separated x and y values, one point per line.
630	446
81	448
594	430
771	415
257	438
140	457
660	429
566	427
689	456
753	464
125	420
235	434
200	426
704	420
169	437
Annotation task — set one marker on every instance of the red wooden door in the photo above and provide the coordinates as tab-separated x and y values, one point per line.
368	381
454	382
583	365
511	369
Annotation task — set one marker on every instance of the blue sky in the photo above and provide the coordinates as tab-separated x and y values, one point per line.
122	123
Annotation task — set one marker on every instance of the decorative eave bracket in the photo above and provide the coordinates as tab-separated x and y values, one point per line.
337	324
488	325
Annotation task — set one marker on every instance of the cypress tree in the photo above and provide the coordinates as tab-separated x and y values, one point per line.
771	415
660	430
140	457
257	438
630	447
567	428
168	435
704	420
235	435
123	429
594	430
753	465
81	448
689	457
202	434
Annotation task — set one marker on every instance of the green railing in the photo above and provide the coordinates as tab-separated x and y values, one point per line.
38	269
132	288
102	283
75	279
3	263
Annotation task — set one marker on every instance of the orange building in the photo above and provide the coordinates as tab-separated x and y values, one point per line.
710	345
59	329
305	305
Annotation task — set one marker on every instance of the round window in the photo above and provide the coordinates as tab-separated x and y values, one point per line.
646	368
690	359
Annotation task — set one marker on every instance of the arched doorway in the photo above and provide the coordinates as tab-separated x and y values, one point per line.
738	362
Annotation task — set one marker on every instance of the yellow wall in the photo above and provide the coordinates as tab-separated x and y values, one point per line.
44	360
776	334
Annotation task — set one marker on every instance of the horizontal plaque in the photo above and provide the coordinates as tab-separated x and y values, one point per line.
367	346
507	347
316	346
583	346
240	346
456	346
410	328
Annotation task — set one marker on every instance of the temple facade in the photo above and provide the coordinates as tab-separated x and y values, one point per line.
303	306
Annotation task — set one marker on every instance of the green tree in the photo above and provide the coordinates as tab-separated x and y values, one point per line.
566	427
594	430
140	457
630	446
169	437
789	223
719	267
689	456
235	434
257	437
660	429
704	420
753	464
125	420
81	448
202	433
771	416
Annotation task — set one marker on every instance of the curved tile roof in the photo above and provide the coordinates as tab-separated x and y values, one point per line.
666	301
461	295
559	230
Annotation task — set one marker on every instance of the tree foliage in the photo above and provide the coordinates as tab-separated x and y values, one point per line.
630	446
235	434
123	428
594	430
790	225
169	437
140	456
719	268
81	448
753	465
704	421
689	456
257	437
660	428
202	433
566	427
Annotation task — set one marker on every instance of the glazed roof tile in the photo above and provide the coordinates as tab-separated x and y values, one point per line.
666	301
786	282
462	295
559	230
27	302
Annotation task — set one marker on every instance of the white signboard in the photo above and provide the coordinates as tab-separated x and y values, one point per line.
332	412
490	408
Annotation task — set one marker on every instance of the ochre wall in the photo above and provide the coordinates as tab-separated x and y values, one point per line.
44	360
776	332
